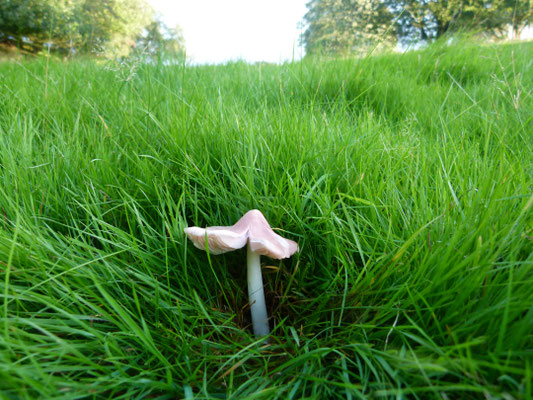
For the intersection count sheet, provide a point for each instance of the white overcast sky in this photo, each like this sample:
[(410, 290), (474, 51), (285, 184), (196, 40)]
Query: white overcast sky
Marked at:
[(217, 31)]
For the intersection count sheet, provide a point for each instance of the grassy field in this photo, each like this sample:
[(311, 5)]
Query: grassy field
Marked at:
[(407, 181)]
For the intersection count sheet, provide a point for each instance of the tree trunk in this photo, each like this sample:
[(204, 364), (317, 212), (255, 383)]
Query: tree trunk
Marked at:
[(423, 34), (516, 32), (442, 28)]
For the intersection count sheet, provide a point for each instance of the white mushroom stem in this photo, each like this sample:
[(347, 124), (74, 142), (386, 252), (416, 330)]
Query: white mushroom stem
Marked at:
[(256, 293), (254, 232)]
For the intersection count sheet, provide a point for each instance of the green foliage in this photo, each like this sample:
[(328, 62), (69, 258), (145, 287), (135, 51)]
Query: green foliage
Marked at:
[(160, 40), (406, 180), (29, 23), (340, 26), (432, 19), (109, 27), (517, 13)]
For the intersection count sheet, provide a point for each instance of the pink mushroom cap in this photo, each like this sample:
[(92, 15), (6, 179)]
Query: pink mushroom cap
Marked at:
[(252, 229)]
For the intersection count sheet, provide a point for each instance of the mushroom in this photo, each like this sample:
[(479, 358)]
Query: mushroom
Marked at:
[(254, 230)]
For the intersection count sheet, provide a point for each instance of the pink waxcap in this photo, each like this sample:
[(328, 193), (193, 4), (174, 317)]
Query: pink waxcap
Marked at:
[(252, 228)]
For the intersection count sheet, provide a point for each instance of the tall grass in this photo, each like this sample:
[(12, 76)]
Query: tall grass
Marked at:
[(405, 178)]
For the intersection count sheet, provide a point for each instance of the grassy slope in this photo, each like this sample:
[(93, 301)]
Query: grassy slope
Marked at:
[(406, 179)]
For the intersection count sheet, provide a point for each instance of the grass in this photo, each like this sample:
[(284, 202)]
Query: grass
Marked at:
[(405, 178)]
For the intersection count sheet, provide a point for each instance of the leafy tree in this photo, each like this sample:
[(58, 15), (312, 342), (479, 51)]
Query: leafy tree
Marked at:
[(518, 14), (160, 40), (413, 18), (29, 23), (111, 26), (342, 26), (430, 19), (466, 15), (82, 26)]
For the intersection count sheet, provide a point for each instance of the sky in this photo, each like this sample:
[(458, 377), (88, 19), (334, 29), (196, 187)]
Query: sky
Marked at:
[(217, 31)]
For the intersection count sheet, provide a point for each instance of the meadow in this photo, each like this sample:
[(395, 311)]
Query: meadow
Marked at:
[(406, 180)]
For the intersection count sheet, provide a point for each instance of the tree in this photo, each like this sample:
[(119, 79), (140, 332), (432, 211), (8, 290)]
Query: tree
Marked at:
[(84, 26), (431, 19), (27, 24), (160, 40), (413, 18), (343, 26), (465, 15), (111, 26), (517, 14)]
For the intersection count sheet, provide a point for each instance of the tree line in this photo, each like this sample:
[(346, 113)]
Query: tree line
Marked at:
[(343, 26), (118, 27), (102, 27)]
